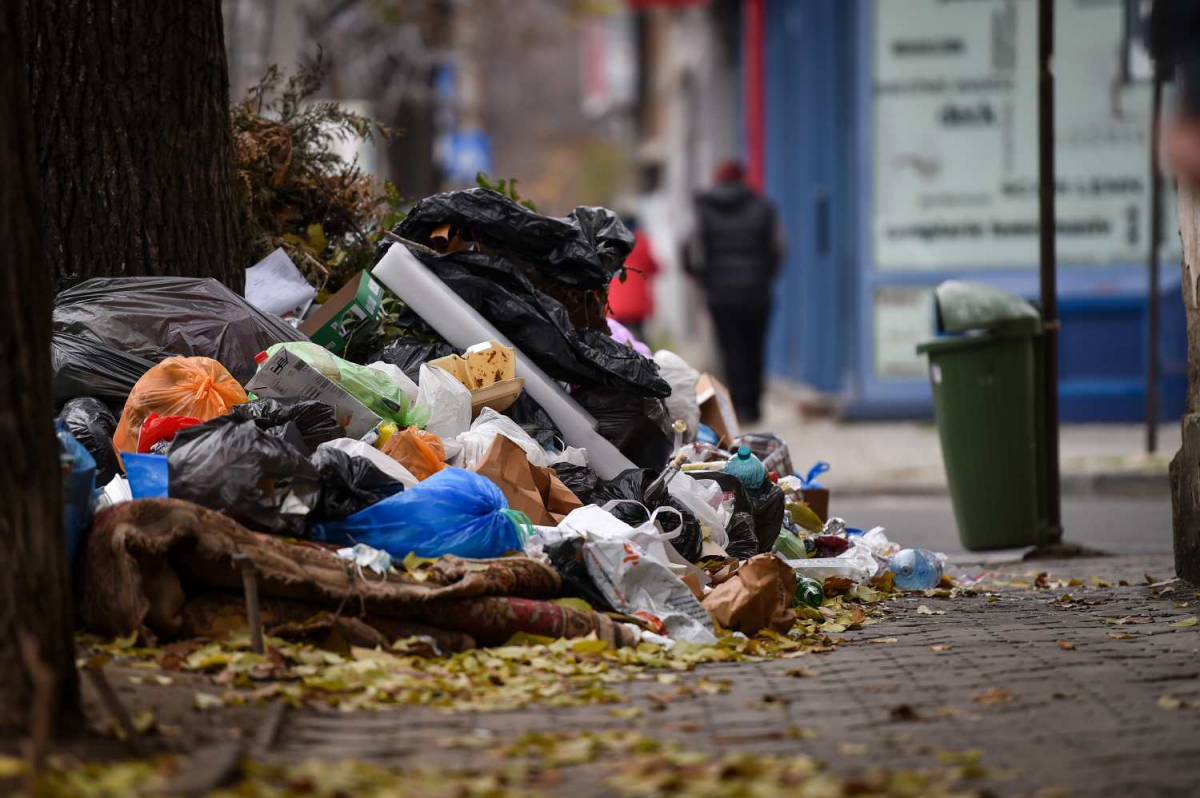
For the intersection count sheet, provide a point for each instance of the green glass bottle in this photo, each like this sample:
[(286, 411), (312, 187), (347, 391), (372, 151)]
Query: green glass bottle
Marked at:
[(808, 591)]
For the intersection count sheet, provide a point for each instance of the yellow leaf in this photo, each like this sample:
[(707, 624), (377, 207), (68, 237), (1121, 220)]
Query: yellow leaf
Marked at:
[(11, 766), (1121, 636), (573, 603), (1169, 702), (943, 647), (884, 640), (206, 701), (316, 237), (851, 749), (586, 646), (625, 713), (1192, 621), (925, 609)]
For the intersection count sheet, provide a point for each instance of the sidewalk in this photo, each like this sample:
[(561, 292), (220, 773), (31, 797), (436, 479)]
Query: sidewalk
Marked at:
[(905, 457)]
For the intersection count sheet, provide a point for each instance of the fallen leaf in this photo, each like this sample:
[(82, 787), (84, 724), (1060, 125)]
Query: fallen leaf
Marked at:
[(836, 584), (206, 701), (1121, 635), (942, 647), (1096, 581), (1192, 621), (1074, 582), (851, 749), (625, 713), (925, 609), (884, 640), (11, 766), (1150, 580), (994, 695), (1169, 702), (971, 756), (1066, 645), (1061, 696), (800, 673)]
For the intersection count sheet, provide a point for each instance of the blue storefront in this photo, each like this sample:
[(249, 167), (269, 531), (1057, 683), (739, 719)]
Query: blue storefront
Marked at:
[(899, 143)]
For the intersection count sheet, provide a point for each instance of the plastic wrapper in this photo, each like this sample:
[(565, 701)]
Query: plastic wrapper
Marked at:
[(316, 421), (638, 426), (452, 512), (583, 250), (256, 476), (148, 475), (398, 376), (541, 328), (349, 484), (703, 498), (92, 425), (407, 354), (448, 401), (83, 367), (421, 453), (631, 486), (580, 480), (857, 564), (198, 387), (156, 317), (379, 392), (79, 488)]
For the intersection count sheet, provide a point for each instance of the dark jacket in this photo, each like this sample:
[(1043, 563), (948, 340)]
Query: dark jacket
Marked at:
[(737, 249)]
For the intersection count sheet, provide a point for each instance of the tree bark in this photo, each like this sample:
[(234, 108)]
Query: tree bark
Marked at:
[(134, 151), (1185, 467), (37, 656)]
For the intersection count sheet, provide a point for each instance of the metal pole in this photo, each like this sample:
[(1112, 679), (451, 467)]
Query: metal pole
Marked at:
[(1046, 190), (1156, 189)]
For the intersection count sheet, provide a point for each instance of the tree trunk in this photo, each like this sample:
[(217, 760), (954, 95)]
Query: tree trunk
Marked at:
[(1185, 468), (134, 151), (37, 656)]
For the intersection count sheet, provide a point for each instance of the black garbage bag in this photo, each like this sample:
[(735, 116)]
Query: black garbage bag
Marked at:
[(540, 327), (256, 476), (567, 557), (743, 543), (348, 484), (583, 250), (580, 480), (315, 421), (156, 317), (407, 354), (83, 367), (766, 508), (637, 425), (534, 419), (92, 424), (632, 485)]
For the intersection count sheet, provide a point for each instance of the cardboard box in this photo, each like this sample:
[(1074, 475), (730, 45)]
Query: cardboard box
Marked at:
[(286, 375), (360, 301), (716, 408)]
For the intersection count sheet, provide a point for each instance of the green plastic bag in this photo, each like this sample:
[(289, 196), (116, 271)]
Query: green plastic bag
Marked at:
[(790, 545), (376, 390)]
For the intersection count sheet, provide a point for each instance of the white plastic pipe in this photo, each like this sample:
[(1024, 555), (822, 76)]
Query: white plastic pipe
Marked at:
[(462, 326)]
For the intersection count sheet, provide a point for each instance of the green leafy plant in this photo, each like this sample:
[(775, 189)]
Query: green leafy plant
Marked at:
[(506, 187), (298, 192)]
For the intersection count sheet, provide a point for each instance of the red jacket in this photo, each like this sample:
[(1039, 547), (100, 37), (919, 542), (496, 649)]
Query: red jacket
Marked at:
[(632, 301)]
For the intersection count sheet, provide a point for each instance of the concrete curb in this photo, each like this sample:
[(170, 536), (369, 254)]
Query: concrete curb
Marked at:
[(1128, 485)]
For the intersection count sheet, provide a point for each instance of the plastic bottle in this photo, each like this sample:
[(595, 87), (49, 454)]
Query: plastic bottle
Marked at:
[(748, 468), (809, 592), (916, 569)]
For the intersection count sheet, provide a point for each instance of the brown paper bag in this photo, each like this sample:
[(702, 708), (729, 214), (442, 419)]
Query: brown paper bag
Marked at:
[(537, 492), (759, 596)]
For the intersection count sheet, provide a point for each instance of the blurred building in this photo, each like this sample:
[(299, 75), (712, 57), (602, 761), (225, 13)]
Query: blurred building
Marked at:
[(898, 138)]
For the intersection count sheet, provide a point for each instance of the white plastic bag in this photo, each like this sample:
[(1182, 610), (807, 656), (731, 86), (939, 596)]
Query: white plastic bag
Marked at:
[(476, 441), (378, 459), (682, 378), (702, 497), (638, 584), (408, 386), (448, 400)]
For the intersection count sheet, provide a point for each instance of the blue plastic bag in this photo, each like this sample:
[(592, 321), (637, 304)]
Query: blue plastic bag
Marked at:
[(452, 512), (147, 475), (809, 480), (79, 488)]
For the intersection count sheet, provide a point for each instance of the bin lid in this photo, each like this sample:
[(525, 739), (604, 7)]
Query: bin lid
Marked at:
[(963, 306)]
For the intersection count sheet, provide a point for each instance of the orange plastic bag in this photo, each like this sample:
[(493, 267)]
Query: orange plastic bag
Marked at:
[(199, 387), (421, 452)]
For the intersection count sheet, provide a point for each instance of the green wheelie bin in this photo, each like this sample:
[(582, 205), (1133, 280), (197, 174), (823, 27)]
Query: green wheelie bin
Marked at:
[(985, 370)]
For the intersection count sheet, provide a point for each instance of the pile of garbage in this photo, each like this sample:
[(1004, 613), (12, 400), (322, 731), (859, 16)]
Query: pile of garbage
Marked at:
[(503, 446)]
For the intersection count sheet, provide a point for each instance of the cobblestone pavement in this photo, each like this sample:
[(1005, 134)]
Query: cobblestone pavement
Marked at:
[(1099, 695)]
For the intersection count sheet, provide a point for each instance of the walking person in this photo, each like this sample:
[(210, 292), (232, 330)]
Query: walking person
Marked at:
[(736, 252)]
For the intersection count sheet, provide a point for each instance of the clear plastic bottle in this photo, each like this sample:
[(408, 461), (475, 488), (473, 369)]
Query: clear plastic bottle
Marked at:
[(916, 569), (748, 468)]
